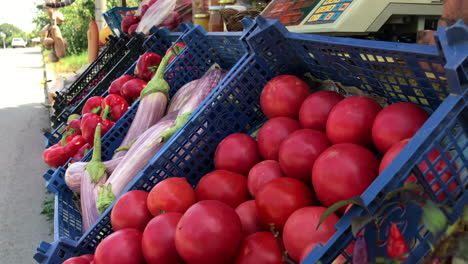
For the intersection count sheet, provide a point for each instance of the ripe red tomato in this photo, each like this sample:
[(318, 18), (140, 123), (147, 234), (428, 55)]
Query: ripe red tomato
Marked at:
[(224, 186), (262, 173), (301, 230), (338, 260), (342, 172), (316, 108), (120, 247), (88, 257), (131, 211), (395, 123), (76, 260), (279, 198), (299, 151), (259, 248), (158, 239), (439, 167), (237, 152), (272, 133), (209, 232), (283, 96), (171, 195), (350, 121), (248, 216)]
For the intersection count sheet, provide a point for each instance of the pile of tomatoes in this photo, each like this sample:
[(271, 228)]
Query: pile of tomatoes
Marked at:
[(263, 201)]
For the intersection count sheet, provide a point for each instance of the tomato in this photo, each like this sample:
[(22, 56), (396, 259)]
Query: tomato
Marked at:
[(283, 96), (279, 198), (171, 195), (262, 173), (120, 247), (225, 186), (299, 151), (259, 248), (158, 239), (237, 152), (131, 211), (88, 257), (248, 215), (76, 260), (439, 168), (301, 229), (316, 108), (209, 232), (342, 172), (272, 133), (338, 260), (395, 123), (350, 121)]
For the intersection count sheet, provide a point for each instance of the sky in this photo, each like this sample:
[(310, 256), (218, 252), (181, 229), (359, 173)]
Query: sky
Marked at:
[(20, 13)]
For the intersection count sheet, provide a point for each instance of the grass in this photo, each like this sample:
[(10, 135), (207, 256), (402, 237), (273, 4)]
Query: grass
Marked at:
[(48, 208), (70, 63)]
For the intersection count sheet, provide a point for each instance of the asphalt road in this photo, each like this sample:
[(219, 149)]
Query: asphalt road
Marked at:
[(22, 191)]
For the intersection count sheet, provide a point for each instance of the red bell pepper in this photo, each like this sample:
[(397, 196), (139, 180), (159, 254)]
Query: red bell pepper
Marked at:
[(147, 65), (81, 153), (58, 154), (117, 106), (89, 123), (396, 244), (74, 126), (93, 105)]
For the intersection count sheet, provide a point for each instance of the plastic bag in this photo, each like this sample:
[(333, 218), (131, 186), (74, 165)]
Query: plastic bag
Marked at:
[(156, 14), (181, 14)]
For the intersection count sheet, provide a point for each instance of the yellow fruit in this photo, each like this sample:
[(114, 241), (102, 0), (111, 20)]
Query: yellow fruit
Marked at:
[(104, 34)]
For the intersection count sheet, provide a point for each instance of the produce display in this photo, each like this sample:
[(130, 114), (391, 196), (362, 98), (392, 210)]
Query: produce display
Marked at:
[(271, 190), (265, 196)]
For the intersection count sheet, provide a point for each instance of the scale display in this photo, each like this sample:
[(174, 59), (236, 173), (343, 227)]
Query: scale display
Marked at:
[(328, 12), (289, 12)]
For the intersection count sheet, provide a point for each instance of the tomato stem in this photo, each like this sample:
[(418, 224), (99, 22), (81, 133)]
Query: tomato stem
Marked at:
[(276, 234)]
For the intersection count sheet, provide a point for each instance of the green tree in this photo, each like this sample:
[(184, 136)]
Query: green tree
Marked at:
[(11, 32), (75, 26)]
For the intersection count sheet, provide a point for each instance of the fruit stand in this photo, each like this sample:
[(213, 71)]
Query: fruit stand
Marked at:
[(259, 146)]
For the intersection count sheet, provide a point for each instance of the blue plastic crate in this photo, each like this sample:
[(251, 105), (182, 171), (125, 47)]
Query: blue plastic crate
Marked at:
[(68, 237), (159, 43), (115, 16), (234, 107)]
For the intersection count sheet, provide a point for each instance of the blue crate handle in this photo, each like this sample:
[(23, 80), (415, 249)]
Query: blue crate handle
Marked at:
[(452, 43)]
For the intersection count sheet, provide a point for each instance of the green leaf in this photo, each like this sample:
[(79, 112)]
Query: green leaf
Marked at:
[(385, 207), (462, 248), (359, 222), (411, 197), (406, 187), (465, 214), (355, 200), (433, 218)]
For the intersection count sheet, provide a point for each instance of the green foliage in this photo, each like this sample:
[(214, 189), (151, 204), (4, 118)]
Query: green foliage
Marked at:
[(77, 17), (11, 32)]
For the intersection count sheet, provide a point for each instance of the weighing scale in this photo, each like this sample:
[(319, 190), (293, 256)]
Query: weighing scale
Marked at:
[(395, 20)]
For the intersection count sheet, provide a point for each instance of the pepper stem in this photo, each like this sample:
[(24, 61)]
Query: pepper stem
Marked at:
[(95, 167), (179, 122), (157, 83), (105, 198), (107, 113), (96, 110), (63, 140)]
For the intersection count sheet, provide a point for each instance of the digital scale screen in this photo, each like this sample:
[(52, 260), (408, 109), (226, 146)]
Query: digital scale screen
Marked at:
[(292, 13), (328, 12)]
